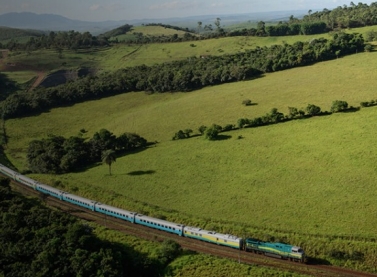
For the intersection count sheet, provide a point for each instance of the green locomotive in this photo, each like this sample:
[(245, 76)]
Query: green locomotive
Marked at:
[(275, 249)]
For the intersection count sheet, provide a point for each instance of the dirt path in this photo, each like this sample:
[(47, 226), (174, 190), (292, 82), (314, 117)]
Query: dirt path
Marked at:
[(40, 76), (18, 67)]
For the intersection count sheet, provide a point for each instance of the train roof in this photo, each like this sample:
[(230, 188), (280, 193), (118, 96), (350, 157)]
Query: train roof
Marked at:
[(111, 208), (213, 233), (48, 187), (158, 221), (276, 244), (78, 198), (19, 176)]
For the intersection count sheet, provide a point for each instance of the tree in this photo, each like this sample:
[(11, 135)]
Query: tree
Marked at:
[(212, 132), (168, 251), (199, 26), (313, 110), (202, 129), (108, 157), (338, 106)]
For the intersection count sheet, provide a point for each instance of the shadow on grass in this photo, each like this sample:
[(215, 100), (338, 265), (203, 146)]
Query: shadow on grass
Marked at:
[(317, 261), (141, 172), (222, 137)]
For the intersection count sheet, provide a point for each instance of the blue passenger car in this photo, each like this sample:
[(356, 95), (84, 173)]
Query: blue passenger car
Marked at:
[(115, 212), (49, 190), (159, 224), (80, 201)]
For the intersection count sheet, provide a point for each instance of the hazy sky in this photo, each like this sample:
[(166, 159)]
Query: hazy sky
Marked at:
[(101, 10)]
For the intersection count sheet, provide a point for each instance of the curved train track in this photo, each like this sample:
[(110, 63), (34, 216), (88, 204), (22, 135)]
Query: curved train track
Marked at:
[(187, 243)]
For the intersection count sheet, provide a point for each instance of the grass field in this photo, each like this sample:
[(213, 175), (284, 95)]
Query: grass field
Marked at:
[(121, 56), (288, 167), (309, 181)]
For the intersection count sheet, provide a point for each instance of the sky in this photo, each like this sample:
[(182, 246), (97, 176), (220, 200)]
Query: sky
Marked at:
[(102, 10)]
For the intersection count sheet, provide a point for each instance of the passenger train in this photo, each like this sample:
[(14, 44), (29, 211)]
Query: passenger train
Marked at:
[(279, 250)]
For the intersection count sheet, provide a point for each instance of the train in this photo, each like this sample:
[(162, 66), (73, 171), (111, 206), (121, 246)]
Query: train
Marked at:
[(274, 249)]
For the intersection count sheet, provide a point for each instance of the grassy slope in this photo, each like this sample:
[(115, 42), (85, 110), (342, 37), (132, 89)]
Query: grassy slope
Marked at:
[(131, 55), (311, 176)]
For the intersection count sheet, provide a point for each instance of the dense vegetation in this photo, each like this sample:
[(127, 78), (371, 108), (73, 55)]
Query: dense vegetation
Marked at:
[(36, 241), (185, 75), (12, 33), (57, 154), (318, 22), (57, 40)]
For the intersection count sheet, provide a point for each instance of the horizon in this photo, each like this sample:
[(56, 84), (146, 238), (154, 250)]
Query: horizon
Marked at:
[(114, 10)]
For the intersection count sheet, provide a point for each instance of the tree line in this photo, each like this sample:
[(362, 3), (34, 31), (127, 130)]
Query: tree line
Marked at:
[(342, 17), (274, 116), (319, 22), (57, 154), (184, 75), (37, 241), (58, 40)]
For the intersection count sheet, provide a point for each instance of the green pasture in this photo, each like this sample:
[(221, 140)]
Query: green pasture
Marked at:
[(313, 176), (156, 31), (21, 77), (120, 56), (123, 55)]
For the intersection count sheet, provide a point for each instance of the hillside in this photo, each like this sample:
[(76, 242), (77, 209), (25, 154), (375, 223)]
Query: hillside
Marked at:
[(309, 182), (7, 33)]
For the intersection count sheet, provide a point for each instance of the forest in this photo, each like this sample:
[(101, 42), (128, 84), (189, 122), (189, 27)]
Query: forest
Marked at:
[(57, 154), (60, 245)]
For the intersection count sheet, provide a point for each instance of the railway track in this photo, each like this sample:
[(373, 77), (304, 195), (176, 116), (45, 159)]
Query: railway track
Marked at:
[(191, 244)]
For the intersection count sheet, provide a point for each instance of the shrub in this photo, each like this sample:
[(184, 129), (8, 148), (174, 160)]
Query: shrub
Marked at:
[(228, 127), (338, 106), (246, 102), (179, 135), (212, 132), (313, 110), (242, 122), (202, 129)]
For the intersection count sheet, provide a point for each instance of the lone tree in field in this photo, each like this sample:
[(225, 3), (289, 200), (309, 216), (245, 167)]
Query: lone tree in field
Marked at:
[(108, 157)]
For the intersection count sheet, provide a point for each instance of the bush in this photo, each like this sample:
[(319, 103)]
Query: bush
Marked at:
[(202, 129), (313, 110), (242, 122), (212, 132), (228, 127), (338, 106), (246, 102)]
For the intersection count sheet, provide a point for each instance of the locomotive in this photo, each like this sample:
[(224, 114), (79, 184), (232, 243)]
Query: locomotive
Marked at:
[(274, 249)]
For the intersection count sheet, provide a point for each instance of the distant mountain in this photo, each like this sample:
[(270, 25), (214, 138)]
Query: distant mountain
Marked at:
[(52, 22)]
